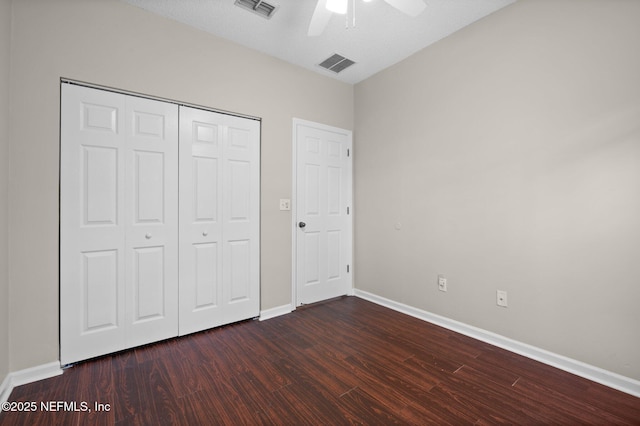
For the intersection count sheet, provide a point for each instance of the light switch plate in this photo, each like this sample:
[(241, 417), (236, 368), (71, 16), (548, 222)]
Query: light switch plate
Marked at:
[(285, 204)]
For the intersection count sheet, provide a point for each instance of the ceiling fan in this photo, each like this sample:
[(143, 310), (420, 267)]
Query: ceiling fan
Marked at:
[(326, 8)]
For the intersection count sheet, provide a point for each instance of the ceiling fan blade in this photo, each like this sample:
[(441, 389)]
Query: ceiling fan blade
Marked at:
[(412, 8), (320, 19)]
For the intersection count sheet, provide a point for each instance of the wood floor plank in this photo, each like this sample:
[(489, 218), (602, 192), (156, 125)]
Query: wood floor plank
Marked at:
[(576, 407), (251, 392), (127, 399), (303, 403), (339, 362), (362, 408), (492, 394)]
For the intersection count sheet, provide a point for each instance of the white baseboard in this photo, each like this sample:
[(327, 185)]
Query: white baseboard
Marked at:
[(275, 312), (5, 389), (28, 375), (36, 373), (579, 368)]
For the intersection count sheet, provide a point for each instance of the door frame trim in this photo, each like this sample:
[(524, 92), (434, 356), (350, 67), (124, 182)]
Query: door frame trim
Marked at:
[(294, 215)]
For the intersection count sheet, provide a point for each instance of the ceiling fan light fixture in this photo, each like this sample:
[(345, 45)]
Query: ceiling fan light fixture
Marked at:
[(338, 6)]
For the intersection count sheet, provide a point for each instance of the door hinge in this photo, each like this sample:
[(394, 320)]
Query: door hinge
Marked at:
[(347, 269), (348, 152), (347, 209)]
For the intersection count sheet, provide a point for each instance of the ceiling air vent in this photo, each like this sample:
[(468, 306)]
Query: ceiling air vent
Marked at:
[(336, 63), (259, 7)]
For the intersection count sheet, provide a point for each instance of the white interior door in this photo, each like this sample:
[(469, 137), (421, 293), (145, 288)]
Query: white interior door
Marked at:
[(118, 222), (323, 225), (219, 219)]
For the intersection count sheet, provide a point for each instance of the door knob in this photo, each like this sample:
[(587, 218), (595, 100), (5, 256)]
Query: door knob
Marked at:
[(148, 236), (302, 224), (205, 233)]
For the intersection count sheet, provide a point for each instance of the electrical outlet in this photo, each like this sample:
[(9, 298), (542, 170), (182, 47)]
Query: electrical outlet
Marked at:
[(442, 283), (285, 204), (501, 298)]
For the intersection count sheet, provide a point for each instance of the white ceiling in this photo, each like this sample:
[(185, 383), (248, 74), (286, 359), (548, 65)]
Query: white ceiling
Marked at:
[(382, 35)]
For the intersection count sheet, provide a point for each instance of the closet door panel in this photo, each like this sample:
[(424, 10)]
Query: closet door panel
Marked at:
[(99, 166), (152, 220), (205, 190), (200, 225), (92, 230), (206, 276), (99, 283), (241, 218), (219, 219), (148, 284), (239, 267)]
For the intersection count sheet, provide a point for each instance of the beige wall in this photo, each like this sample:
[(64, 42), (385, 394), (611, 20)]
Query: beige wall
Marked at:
[(5, 49), (111, 43), (510, 154)]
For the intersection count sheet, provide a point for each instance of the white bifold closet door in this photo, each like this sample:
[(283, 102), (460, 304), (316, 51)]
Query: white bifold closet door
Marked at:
[(159, 221), (219, 219), (118, 222)]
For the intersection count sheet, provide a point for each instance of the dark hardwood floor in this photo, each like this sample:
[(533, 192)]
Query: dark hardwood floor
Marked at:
[(338, 362)]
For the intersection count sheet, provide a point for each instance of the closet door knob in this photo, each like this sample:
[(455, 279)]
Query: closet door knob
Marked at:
[(205, 233), (302, 225), (148, 235)]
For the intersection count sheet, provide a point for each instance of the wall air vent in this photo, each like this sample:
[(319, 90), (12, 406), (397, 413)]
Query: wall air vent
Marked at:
[(259, 7), (336, 63)]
